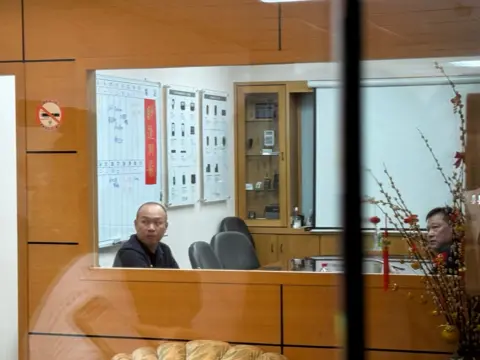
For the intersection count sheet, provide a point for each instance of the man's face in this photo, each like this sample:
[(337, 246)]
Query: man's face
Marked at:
[(439, 232), (151, 224)]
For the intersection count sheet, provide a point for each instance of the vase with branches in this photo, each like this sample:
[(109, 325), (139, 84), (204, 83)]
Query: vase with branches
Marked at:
[(443, 277)]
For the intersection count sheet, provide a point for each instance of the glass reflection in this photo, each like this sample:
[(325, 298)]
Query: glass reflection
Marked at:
[(253, 149)]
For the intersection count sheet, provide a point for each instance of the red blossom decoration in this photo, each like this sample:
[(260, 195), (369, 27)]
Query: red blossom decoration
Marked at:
[(454, 216), (459, 158), (374, 220), (441, 259), (412, 219)]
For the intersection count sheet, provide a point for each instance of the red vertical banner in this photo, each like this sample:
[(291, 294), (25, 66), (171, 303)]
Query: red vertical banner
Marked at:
[(150, 142)]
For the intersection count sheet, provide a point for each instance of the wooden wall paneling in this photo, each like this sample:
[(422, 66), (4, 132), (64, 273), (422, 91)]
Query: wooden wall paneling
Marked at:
[(308, 353), (309, 315), (48, 347), (48, 265), (53, 81), (472, 157), (11, 41), (53, 198), (391, 29), (393, 320), (17, 69), (296, 353), (103, 29), (330, 244), (80, 348), (391, 355), (420, 28), (306, 30), (229, 312)]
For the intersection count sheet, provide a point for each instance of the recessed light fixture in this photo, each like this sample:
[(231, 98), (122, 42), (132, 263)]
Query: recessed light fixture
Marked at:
[(281, 1), (466, 63)]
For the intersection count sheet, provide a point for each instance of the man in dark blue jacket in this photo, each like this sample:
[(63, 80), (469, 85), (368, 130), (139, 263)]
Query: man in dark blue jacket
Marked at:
[(145, 249)]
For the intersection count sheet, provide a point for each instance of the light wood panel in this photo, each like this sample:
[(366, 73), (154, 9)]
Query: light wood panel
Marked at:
[(241, 32), (309, 315), (281, 248), (279, 231), (390, 355), (53, 198), (472, 157), (47, 264), (420, 28), (54, 81), (65, 300), (11, 24), (331, 244), (404, 318), (306, 30), (296, 353), (266, 247), (306, 353), (391, 29), (80, 348), (148, 28), (240, 313), (62, 302), (393, 320)]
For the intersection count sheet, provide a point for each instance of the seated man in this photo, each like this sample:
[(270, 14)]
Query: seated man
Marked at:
[(440, 235), (145, 249)]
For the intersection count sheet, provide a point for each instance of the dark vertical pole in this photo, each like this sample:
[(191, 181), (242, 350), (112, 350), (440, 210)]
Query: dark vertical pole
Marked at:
[(351, 207)]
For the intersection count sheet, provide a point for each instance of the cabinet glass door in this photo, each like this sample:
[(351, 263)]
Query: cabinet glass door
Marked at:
[(261, 125)]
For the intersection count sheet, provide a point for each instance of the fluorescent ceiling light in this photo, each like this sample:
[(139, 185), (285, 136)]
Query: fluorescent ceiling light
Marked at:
[(281, 1), (467, 63)]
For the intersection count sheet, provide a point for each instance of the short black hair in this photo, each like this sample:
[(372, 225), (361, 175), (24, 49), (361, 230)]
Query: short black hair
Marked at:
[(152, 203), (446, 211)]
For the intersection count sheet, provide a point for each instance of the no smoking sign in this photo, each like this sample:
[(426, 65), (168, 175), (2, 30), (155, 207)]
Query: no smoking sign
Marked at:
[(49, 115)]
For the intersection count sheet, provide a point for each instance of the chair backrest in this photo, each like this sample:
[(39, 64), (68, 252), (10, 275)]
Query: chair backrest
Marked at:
[(233, 223), (235, 251), (201, 256)]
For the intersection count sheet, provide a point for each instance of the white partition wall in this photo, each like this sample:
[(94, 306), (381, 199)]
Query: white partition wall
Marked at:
[(8, 222), (394, 111)]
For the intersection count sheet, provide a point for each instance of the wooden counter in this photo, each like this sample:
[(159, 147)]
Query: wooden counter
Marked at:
[(283, 244), (113, 310)]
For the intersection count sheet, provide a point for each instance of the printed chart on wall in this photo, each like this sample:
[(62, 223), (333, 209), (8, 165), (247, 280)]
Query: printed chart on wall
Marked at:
[(214, 145), (182, 145), (128, 153)]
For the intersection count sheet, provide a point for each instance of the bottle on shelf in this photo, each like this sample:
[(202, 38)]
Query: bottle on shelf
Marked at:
[(267, 182), (296, 219)]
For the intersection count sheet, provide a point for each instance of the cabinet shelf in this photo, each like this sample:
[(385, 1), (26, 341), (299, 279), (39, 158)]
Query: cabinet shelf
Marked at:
[(268, 121), (276, 153), (261, 129), (260, 120)]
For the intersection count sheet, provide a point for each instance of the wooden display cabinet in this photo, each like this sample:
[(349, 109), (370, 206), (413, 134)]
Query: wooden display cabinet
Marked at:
[(267, 152), (261, 166)]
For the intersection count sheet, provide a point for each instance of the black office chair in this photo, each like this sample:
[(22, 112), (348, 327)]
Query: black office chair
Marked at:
[(233, 223), (201, 256), (235, 251)]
